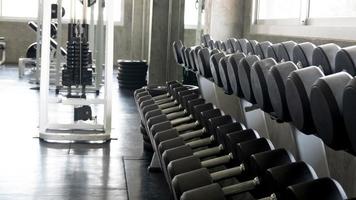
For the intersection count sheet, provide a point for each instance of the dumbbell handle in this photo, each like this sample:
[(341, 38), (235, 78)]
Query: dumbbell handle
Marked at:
[(193, 134), (173, 111), (162, 96), (241, 187), (168, 104), (272, 197), (182, 120), (217, 161), (201, 142), (163, 101), (227, 173), (208, 152), (186, 127)]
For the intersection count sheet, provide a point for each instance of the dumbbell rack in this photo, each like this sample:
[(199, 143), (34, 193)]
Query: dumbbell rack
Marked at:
[(69, 130)]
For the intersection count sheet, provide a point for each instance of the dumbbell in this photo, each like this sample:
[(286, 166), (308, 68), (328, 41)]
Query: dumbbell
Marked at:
[(201, 177), (204, 61), (214, 68), (262, 49), (324, 57), (143, 91), (161, 123), (224, 65), (327, 110), (278, 75), (174, 112), (210, 120), (227, 142), (239, 154), (244, 70), (272, 180), (349, 108), (322, 188)]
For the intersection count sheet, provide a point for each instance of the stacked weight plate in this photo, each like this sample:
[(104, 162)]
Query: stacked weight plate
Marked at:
[(132, 73)]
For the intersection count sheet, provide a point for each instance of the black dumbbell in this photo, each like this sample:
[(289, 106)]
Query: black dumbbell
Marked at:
[(239, 154), (204, 61), (272, 180), (231, 74), (210, 120), (262, 49), (161, 123), (214, 68), (324, 56), (227, 143), (244, 70), (201, 177), (326, 105), (322, 188), (349, 108), (170, 85)]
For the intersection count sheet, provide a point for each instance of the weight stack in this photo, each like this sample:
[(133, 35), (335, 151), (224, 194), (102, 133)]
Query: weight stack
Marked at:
[(132, 74)]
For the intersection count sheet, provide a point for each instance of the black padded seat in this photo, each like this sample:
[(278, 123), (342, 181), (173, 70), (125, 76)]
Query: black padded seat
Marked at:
[(204, 62), (276, 81), (327, 109), (251, 47), (303, 54), (244, 71), (346, 60), (259, 73), (224, 77), (214, 67), (349, 111), (233, 74), (262, 48), (272, 52), (285, 51), (298, 89), (324, 56), (177, 45)]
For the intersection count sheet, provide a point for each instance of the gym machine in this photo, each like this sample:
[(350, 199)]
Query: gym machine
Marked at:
[(84, 117)]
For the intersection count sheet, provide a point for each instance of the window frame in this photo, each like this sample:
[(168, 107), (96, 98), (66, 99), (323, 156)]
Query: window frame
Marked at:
[(342, 28), (64, 21)]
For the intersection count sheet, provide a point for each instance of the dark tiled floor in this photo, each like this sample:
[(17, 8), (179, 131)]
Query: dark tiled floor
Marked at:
[(33, 169)]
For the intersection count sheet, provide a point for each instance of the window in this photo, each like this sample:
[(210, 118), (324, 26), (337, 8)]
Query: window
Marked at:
[(28, 10), (278, 9), (305, 18), (191, 12)]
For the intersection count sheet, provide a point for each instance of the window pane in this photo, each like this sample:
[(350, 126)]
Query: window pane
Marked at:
[(191, 13), (19, 8), (332, 8), (278, 9)]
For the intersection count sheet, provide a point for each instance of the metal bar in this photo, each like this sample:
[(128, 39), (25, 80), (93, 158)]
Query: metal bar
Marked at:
[(99, 53), (45, 64), (59, 42)]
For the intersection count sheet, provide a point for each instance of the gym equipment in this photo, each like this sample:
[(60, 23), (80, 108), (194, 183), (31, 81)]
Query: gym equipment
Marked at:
[(303, 54), (230, 76), (262, 49), (201, 177), (326, 105), (132, 73), (322, 188), (270, 180), (214, 68), (234, 159), (348, 109), (244, 71), (324, 56), (232, 138), (345, 60)]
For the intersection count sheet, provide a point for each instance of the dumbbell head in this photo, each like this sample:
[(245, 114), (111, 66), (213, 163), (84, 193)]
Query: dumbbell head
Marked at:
[(259, 72), (214, 67), (324, 56), (276, 81), (322, 188), (195, 55), (349, 111), (224, 77), (285, 50), (242, 45), (177, 45), (244, 70), (303, 54), (277, 179), (223, 130), (232, 72), (262, 48), (251, 47), (326, 105), (298, 88), (272, 52), (346, 60), (237, 137), (204, 62)]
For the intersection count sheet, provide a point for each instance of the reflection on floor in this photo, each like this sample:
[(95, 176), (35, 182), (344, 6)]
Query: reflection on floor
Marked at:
[(33, 169)]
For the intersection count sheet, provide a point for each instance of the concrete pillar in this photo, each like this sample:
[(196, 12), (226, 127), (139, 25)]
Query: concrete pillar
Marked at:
[(166, 26), (225, 18)]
